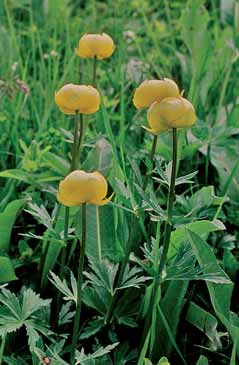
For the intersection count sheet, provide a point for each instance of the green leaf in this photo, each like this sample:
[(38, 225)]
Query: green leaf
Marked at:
[(109, 245), (147, 362), (171, 306), (163, 361), (170, 335), (57, 163), (70, 293), (83, 359), (7, 220), (52, 245), (222, 157), (205, 322), (234, 351), (92, 328), (205, 197), (202, 228), (230, 263), (202, 360), (100, 157), (7, 273), (16, 312), (220, 294), (16, 174)]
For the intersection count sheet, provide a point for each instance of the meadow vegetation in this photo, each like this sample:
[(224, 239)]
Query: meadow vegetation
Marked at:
[(118, 208)]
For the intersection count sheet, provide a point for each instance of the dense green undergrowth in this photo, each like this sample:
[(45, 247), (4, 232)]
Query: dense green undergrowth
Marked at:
[(195, 319)]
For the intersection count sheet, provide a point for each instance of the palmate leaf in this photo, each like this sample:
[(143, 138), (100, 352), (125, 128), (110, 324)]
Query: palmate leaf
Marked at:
[(97, 298), (83, 359), (102, 274), (41, 214), (51, 352), (184, 268), (150, 203), (132, 278), (16, 312), (165, 176), (92, 328), (70, 293), (31, 302), (127, 309), (55, 358), (66, 314)]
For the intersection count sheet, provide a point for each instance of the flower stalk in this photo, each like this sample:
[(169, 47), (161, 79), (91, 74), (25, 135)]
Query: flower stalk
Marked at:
[(94, 71), (166, 239), (168, 224), (152, 153), (79, 286), (74, 162), (75, 151)]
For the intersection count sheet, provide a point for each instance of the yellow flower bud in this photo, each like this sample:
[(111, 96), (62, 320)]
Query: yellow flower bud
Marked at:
[(95, 45), (83, 187), (170, 113), (154, 90), (72, 99)]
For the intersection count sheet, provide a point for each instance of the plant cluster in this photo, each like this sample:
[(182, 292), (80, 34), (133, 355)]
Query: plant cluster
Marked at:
[(124, 258)]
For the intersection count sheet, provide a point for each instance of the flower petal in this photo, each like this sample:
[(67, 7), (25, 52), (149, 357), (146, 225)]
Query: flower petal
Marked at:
[(103, 201)]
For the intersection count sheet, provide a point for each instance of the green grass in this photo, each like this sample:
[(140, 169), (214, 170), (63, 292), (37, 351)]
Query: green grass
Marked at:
[(195, 42)]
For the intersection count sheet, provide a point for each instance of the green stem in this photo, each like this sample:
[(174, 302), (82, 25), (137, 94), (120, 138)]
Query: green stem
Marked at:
[(74, 163), (130, 243), (98, 233), (80, 140), (152, 153), (79, 286), (2, 347), (207, 163), (63, 256), (166, 241), (47, 244), (75, 145), (168, 225), (94, 72)]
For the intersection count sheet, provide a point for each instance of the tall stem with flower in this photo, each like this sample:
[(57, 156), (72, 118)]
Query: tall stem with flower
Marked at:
[(78, 189), (74, 100), (169, 113), (144, 96)]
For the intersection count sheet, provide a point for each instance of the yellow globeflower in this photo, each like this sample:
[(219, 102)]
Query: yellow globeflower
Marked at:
[(83, 187), (72, 99), (95, 45), (170, 113), (154, 90)]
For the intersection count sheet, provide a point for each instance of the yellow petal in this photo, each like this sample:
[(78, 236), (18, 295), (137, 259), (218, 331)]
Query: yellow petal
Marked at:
[(95, 45), (154, 131), (103, 201), (72, 99), (172, 112), (82, 187), (154, 90)]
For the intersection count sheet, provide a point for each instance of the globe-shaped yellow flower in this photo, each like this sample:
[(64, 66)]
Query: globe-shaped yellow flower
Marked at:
[(81, 187), (170, 113), (154, 90), (95, 45), (73, 99)]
